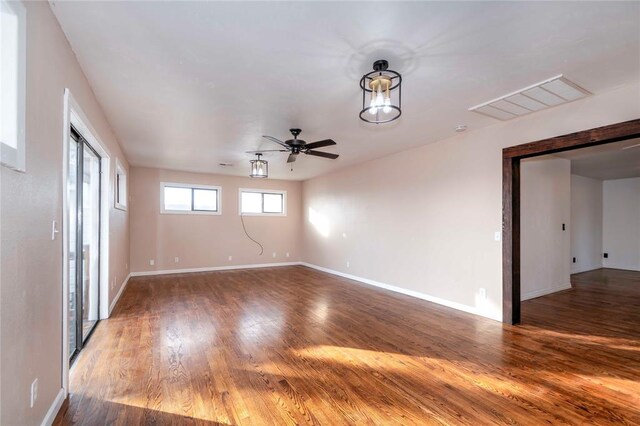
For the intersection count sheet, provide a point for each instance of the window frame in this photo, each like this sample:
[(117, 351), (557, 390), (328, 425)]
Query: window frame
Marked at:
[(120, 202), (263, 192), (191, 186), (15, 158)]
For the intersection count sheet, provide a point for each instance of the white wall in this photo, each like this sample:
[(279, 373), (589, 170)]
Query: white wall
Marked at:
[(545, 205), (586, 223), (424, 219), (621, 236)]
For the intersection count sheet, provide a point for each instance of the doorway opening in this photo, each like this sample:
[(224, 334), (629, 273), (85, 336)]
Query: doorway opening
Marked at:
[(84, 204), (511, 177)]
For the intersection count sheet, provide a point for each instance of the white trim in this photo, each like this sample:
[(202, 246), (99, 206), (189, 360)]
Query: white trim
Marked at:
[(439, 301), (115, 299), (54, 408), (65, 241), (72, 114), (83, 125), (263, 191), (544, 292), (212, 268), (15, 158), (120, 203), (218, 190)]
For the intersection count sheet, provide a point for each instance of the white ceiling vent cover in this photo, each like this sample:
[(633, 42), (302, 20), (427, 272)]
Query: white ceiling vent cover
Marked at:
[(546, 94)]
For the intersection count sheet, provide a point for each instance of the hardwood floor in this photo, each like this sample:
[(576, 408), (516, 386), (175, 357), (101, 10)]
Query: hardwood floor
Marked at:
[(292, 345)]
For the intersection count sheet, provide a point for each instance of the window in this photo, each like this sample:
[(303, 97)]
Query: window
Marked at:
[(121, 187), (263, 202), (12, 84), (180, 198)]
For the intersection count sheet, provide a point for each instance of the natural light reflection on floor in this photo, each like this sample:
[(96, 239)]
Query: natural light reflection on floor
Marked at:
[(181, 414), (297, 346)]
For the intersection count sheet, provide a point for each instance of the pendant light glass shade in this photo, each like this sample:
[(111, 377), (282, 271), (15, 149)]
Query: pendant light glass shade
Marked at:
[(381, 94), (259, 168)]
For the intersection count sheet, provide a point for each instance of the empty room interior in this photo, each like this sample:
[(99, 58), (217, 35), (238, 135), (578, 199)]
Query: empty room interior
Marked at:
[(328, 213)]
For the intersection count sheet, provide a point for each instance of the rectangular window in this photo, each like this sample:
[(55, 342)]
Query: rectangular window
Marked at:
[(180, 198), (263, 202), (121, 186), (12, 84)]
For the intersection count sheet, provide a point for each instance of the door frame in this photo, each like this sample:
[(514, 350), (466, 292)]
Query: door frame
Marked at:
[(73, 115), (82, 147), (511, 157)]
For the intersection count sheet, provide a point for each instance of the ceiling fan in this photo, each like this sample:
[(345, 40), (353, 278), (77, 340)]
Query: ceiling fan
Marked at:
[(296, 146)]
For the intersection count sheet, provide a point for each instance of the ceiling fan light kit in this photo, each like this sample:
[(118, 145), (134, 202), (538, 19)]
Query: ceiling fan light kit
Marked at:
[(259, 167), (381, 94)]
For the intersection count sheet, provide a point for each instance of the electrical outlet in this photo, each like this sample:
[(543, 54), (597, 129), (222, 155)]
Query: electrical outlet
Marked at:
[(497, 236), (483, 292), (230, 258), (286, 255), (347, 263), (176, 259), (34, 392), (126, 266), (606, 255), (274, 254), (152, 262), (564, 227), (574, 260)]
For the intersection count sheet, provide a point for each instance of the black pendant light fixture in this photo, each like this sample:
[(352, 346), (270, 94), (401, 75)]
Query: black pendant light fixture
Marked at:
[(259, 167), (381, 94)]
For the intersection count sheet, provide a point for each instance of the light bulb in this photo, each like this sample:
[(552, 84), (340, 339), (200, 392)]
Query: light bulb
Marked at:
[(387, 106), (373, 107), (379, 99)]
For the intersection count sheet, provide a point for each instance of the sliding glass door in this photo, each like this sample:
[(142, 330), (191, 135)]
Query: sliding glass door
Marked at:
[(84, 240)]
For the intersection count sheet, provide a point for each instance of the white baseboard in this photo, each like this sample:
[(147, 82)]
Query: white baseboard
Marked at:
[(53, 410), (211, 268), (439, 301), (115, 299), (544, 292), (428, 298)]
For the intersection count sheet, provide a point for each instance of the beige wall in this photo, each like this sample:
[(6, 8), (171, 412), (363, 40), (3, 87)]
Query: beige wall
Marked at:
[(203, 241), (424, 219), (545, 203), (31, 263)]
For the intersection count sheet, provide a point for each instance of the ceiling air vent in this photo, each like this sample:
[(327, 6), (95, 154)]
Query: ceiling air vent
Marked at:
[(546, 94)]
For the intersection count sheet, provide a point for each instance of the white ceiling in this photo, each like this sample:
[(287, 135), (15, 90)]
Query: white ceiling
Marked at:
[(189, 85), (605, 162)]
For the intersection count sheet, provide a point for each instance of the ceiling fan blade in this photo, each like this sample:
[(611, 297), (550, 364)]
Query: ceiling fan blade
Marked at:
[(320, 144), (266, 150), (279, 142), (322, 154), (292, 158)]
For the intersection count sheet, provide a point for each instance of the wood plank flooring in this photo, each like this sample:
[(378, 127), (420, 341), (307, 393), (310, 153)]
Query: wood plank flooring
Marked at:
[(292, 345)]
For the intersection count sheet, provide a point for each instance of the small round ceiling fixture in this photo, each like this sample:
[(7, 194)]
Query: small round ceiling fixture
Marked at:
[(461, 128), (381, 94), (259, 167)]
